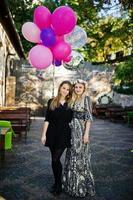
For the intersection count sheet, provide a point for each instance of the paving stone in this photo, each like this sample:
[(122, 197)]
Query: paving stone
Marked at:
[(26, 173)]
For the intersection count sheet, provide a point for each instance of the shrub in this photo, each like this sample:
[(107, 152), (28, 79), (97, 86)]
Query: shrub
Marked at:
[(124, 73)]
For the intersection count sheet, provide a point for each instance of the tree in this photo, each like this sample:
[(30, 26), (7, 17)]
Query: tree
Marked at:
[(109, 36), (123, 77), (124, 72), (105, 35)]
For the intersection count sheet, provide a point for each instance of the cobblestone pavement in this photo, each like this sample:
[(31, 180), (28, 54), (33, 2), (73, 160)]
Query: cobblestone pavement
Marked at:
[(26, 172)]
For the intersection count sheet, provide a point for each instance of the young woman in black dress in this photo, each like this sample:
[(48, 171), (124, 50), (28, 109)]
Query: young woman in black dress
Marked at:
[(56, 132)]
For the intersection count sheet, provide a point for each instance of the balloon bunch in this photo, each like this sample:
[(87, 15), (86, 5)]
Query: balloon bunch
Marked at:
[(48, 30)]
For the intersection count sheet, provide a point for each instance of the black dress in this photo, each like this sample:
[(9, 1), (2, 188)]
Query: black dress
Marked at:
[(58, 134)]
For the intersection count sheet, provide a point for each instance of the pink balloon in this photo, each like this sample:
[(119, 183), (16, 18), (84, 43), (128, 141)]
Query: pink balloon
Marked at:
[(67, 59), (61, 50), (63, 20), (31, 32), (40, 57), (42, 17), (59, 38)]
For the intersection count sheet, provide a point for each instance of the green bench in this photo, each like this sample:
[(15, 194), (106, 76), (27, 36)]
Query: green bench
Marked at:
[(6, 133)]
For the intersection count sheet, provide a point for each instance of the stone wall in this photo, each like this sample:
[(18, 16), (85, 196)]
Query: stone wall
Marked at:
[(123, 100), (7, 55), (34, 88)]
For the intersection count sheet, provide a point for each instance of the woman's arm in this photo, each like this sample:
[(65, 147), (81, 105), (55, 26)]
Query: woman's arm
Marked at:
[(46, 123), (88, 120), (86, 136), (44, 130)]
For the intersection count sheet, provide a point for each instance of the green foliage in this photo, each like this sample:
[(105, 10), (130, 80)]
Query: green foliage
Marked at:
[(105, 36), (124, 72), (108, 36), (124, 75), (22, 11), (124, 90)]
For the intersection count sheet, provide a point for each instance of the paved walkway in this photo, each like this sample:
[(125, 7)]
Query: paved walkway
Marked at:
[(26, 173)]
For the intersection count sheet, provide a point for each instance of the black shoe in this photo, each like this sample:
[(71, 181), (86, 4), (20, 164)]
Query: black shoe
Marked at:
[(53, 189), (57, 193), (58, 190)]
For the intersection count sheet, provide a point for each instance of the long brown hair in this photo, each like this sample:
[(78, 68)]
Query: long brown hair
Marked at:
[(56, 100)]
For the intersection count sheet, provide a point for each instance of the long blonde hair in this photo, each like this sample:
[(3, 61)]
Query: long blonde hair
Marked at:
[(56, 100)]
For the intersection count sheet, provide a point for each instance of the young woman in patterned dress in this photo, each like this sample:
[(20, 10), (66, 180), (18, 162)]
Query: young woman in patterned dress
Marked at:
[(77, 177), (56, 132)]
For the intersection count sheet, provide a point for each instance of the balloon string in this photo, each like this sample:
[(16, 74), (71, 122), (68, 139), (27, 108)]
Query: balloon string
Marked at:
[(53, 80)]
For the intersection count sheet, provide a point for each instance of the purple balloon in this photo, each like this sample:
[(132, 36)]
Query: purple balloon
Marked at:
[(48, 37), (57, 63)]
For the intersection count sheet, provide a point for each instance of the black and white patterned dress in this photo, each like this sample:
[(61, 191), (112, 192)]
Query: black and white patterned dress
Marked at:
[(77, 177)]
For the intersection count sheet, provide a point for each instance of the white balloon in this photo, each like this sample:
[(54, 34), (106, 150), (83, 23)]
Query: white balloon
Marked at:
[(77, 38), (75, 61)]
